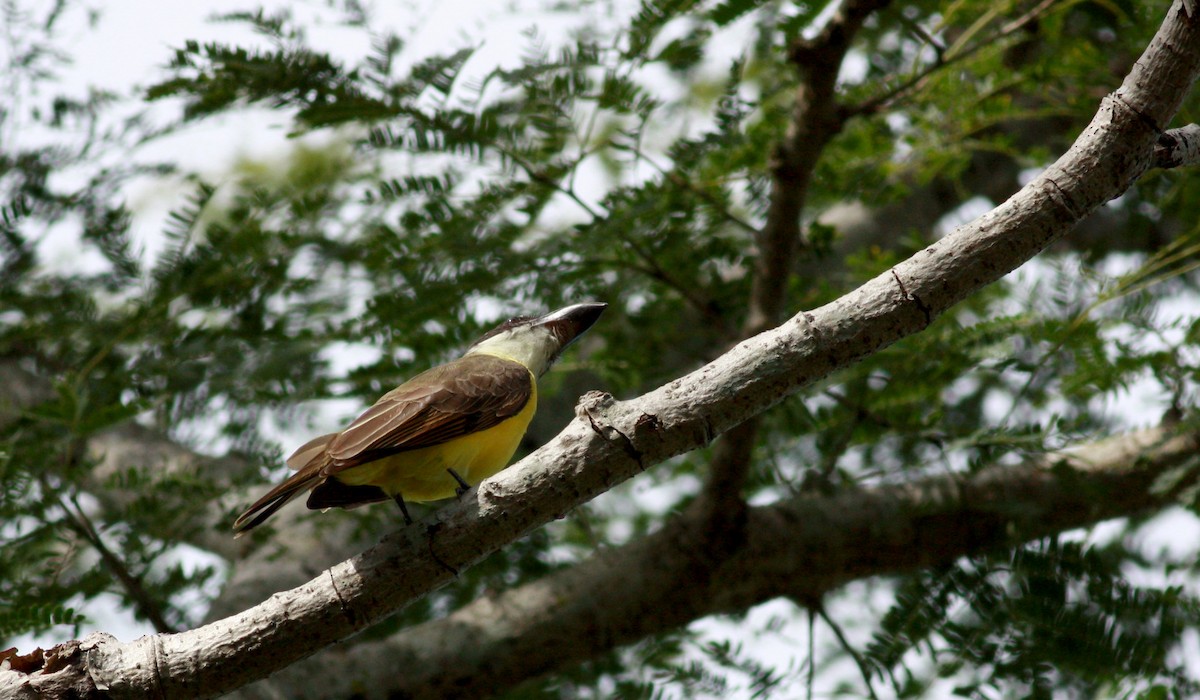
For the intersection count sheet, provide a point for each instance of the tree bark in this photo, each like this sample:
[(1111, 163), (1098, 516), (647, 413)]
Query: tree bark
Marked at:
[(612, 441), (800, 548)]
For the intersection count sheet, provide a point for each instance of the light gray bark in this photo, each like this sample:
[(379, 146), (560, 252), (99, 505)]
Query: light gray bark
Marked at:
[(800, 548), (613, 441)]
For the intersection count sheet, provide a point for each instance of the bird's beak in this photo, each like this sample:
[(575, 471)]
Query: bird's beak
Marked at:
[(570, 322)]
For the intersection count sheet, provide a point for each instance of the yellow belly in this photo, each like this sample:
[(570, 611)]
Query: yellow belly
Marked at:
[(420, 475)]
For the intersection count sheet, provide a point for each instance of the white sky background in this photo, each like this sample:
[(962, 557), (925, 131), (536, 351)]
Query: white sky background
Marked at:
[(133, 39)]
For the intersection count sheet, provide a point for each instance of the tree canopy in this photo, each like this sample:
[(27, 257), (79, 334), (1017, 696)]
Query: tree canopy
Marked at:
[(839, 448)]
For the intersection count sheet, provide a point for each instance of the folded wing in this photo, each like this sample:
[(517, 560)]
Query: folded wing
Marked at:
[(470, 394)]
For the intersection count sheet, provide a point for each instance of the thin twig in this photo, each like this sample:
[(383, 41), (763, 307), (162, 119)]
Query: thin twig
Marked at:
[(812, 650), (540, 177), (917, 29), (677, 179), (858, 659), (692, 294), (78, 522), (919, 79)]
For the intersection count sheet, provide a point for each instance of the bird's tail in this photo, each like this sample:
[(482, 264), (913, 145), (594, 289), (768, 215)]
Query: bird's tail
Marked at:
[(310, 465)]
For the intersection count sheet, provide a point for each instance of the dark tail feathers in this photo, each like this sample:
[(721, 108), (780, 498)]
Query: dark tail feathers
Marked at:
[(275, 499)]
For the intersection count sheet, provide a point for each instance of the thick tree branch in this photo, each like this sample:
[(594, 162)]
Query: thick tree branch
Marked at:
[(801, 549), (728, 468), (610, 441)]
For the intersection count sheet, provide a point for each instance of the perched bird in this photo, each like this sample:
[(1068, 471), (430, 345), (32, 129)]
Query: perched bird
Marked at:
[(438, 433)]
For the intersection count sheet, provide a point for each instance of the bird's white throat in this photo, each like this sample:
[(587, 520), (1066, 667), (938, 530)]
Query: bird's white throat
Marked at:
[(533, 346)]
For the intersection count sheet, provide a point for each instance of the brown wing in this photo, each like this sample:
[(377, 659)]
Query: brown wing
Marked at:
[(309, 451), (467, 395)]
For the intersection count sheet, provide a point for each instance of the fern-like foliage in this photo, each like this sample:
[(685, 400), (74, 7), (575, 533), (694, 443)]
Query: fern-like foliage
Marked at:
[(1049, 616)]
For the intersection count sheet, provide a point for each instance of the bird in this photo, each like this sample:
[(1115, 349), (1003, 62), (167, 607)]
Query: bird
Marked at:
[(437, 434)]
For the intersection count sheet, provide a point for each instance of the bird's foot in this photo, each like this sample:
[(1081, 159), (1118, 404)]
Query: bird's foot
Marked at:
[(463, 486), (403, 508)]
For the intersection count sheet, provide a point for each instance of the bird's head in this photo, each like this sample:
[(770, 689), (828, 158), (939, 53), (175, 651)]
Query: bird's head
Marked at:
[(537, 341)]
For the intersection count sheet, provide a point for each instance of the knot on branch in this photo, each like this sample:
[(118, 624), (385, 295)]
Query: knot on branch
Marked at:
[(1178, 147), (108, 663), (924, 308), (598, 409)]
